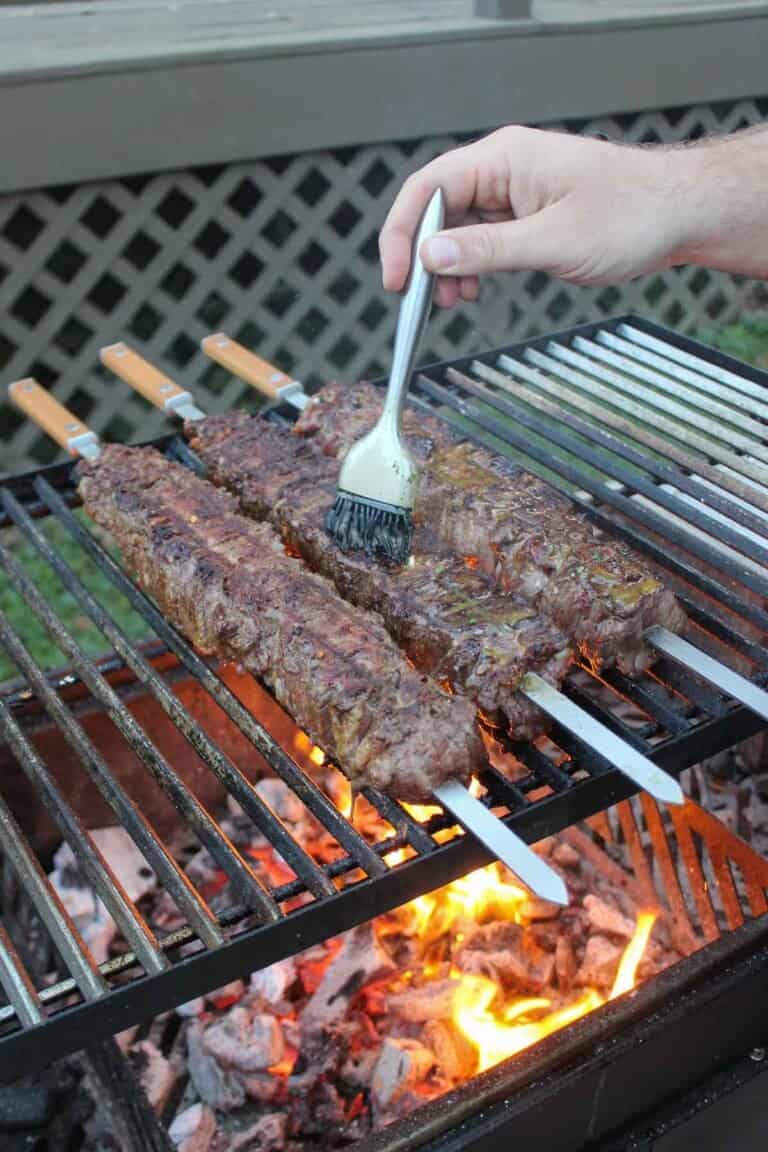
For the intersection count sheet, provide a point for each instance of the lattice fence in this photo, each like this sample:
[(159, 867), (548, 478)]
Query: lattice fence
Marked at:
[(282, 253)]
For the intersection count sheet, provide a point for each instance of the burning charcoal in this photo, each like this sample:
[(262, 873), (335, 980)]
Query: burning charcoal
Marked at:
[(606, 919), (566, 856), (401, 1064), (245, 1042), (565, 964), (156, 1074), (357, 1070), (193, 1129), (598, 968), (361, 959), (546, 933), (219, 1088), (282, 800), (455, 1056), (228, 994), (271, 984), (266, 1135), (192, 1008), (507, 954), (535, 909), (433, 1001), (96, 926), (264, 1087)]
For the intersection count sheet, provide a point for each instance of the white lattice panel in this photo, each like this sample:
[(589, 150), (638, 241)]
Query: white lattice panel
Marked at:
[(282, 254)]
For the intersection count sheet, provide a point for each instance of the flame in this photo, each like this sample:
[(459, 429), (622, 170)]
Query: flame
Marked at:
[(633, 954), (496, 1039), (344, 797), (422, 812), (471, 561), (501, 1032), (482, 895)]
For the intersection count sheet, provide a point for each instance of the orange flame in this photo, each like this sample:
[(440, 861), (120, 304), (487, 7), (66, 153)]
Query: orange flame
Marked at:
[(497, 1040), (501, 1033), (633, 954)]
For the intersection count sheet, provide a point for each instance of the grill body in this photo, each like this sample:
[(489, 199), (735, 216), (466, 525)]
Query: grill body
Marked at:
[(684, 719)]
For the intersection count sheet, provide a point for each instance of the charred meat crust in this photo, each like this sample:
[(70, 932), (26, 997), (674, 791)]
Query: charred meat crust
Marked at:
[(446, 616), (229, 585), (526, 536)]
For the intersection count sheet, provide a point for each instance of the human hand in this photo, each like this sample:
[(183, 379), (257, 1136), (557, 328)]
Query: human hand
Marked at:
[(584, 210)]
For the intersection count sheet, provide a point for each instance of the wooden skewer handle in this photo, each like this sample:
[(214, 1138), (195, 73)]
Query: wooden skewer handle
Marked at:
[(262, 375), (153, 384), (60, 424)]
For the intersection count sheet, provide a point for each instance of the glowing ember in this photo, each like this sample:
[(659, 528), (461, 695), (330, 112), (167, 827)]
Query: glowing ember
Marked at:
[(499, 1031)]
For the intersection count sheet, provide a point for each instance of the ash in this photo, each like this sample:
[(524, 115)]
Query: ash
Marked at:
[(319, 1050)]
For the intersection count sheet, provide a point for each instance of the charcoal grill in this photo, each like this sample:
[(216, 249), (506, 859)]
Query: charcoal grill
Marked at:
[(696, 505)]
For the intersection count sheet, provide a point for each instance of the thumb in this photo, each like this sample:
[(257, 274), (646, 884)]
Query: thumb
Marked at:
[(532, 244)]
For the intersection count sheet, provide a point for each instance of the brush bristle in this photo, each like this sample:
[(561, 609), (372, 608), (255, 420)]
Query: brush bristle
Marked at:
[(360, 525)]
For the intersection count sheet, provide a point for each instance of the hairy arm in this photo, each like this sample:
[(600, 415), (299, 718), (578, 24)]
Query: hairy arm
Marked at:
[(584, 210)]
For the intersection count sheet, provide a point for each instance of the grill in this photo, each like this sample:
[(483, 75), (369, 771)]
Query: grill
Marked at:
[(575, 407)]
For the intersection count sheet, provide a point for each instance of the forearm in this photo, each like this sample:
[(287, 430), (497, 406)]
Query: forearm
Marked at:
[(725, 186)]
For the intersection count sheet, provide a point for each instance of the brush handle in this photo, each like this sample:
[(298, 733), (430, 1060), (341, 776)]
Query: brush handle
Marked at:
[(414, 311)]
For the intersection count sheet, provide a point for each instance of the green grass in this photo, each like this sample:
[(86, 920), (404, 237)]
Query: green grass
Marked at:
[(747, 339), (34, 636)]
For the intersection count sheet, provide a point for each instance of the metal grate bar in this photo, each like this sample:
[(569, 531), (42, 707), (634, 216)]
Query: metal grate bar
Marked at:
[(712, 670), (593, 358), (702, 367), (631, 508), (88, 856), (706, 699), (706, 493), (247, 885), (717, 628), (214, 758), (704, 387), (17, 983), (663, 496), (664, 448), (682, 432), (307, 791), (48, 906), (651, 698), (157, 856)]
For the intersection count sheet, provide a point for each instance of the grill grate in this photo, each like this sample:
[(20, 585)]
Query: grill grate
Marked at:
[(673, 716)]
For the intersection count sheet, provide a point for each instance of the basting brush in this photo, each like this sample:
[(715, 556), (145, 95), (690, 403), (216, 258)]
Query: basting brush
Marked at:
[(377, 483)]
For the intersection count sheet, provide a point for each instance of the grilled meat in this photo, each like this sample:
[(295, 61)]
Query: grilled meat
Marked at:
[(524, 534), (229, 585), (337, 416), (445, 615)]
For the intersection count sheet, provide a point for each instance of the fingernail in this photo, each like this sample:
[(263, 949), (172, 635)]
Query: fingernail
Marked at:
[(442, 252)]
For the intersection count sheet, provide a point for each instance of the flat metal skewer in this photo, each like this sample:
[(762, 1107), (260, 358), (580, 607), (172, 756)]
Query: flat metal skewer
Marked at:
[(508, 847), (161, 391), (616, 751), (722, 677)]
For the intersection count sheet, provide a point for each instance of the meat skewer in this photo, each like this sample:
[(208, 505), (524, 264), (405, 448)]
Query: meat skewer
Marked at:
[(241, 465), (229, 584), (523, 533), (443, 613), (450, 622)]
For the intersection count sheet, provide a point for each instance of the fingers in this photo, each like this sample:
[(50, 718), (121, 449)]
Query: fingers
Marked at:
[(455, 173), (534, 242)]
